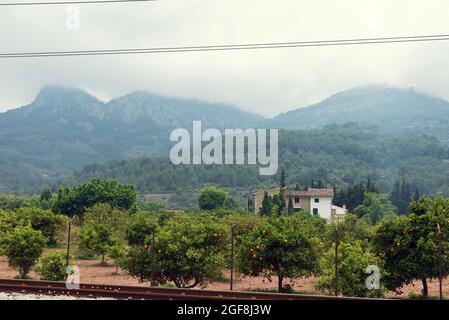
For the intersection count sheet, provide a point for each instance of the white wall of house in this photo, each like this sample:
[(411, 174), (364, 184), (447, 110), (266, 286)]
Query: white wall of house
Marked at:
[(324, 206)]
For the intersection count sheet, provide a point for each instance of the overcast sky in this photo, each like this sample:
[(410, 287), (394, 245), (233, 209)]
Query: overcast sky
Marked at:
[(263, 81)]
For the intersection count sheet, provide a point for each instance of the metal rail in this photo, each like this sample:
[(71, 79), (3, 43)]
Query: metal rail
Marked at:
[(146, 293)]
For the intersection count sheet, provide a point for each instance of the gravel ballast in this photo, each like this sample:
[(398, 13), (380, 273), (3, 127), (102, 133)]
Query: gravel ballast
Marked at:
[(23, 296)]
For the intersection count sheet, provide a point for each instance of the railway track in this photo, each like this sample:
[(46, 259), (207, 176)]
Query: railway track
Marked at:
[(145, 293)]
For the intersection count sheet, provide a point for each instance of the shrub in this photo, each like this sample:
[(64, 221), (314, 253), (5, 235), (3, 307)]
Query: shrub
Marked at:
[(23, 246), (53, 267), (43, 220), (212, 198), (96, 238), (117, 252)]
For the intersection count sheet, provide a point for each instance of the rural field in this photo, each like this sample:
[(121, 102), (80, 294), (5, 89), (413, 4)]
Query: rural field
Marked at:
[(93, 272)]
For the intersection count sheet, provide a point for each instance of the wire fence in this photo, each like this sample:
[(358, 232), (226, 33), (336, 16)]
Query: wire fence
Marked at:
[(93, 271)]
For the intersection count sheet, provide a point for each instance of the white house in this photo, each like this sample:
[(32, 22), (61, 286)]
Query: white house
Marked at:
[(315, 201)]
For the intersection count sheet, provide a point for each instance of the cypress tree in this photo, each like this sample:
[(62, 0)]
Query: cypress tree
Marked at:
[(266, 205), (290, 206), (281, 200), (416, 196), (395, 194)]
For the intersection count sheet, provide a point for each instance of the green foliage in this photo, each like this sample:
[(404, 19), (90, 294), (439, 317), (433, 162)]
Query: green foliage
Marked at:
[(212, 198), (46, 195), (104, 226), (117, 253), (290, 206), (74, 201), (9, 220), (409, 245), (375, 207), (351, 230), (401, 196), (53, 267), (115, 219), (142, 263), (354, 194), (140, 229), (152, 205), (266, 205), (43, 220), (353, 261), (279, 246), (36, 146), (13, 202), (241, 222), (191, 252), (188, 251), (23, 246), (97, 238), (340, 157), (230, 203)]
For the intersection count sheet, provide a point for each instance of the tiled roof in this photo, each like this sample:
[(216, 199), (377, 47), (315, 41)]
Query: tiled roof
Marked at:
[(313, 193), (269, 191)]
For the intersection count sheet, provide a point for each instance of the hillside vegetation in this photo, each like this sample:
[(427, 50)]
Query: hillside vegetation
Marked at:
[(336, 157)]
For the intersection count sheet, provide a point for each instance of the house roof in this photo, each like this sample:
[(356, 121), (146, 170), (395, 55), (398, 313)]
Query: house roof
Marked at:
[(312, 192), (274, 190)]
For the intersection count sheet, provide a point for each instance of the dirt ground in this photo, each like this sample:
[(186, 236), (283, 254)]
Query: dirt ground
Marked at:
[(92, 272)]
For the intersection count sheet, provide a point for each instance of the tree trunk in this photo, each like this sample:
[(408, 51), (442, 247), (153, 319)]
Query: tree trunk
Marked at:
[(425, 288), (103, 259), (190, 286), (23, 273), (280, 280)]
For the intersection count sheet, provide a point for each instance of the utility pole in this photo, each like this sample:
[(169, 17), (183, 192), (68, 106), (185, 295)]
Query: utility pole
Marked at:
[(68, 241), (153, 251), (232, 255), (337, 242), (440, 261)]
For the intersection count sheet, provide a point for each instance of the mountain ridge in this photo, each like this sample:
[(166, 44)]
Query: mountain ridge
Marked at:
[(64, 129), (388, 109)]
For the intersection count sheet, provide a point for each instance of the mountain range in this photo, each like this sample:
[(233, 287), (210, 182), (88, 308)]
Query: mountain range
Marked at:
[(64, 129), (375, 108)]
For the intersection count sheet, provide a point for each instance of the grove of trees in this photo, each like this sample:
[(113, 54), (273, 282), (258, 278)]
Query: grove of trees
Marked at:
[(192, 248)]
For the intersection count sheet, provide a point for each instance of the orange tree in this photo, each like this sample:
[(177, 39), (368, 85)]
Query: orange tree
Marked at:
[(353, 261), (410, 245), (23, 246), (280, 246), (188, 250), (141, 227)]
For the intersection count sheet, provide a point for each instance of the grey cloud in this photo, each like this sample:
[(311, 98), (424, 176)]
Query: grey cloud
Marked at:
[(267, 82)]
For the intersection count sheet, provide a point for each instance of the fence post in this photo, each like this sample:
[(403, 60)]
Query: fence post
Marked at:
[(337, 241), (232, 256), (68, 241), (440, 255)]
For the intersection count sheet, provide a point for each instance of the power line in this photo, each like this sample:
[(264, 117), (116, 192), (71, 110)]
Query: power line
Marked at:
[(69, 2), (228, 47)]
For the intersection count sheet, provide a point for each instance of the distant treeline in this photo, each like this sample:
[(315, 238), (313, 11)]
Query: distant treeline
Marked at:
[(334, 157)]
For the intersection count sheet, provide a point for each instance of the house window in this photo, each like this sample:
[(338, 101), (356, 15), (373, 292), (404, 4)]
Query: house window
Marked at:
[(296, 199), (315, 211), (317, 200)]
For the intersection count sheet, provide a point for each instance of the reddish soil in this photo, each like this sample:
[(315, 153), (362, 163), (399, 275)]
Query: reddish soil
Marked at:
[(92, 272)]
